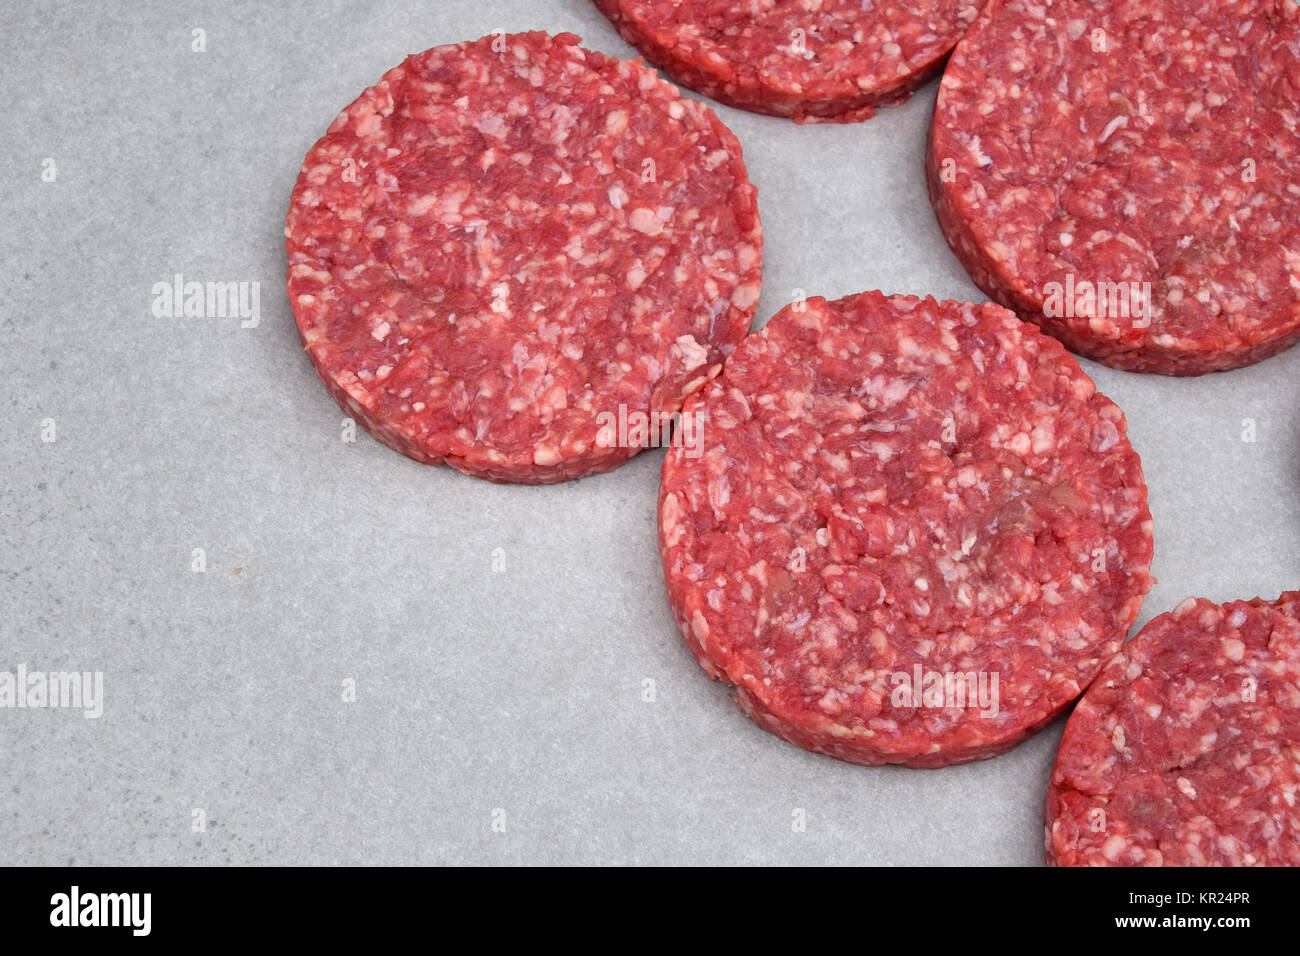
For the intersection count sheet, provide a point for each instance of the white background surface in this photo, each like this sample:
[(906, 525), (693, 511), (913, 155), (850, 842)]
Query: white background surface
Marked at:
[(476, 690)]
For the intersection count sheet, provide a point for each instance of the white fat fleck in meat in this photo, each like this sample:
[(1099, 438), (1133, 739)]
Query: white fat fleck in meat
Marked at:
[(636, 275), (1119, 122), (745, 296), (646, 221), (501, 298), (492, 124), (690, 352), (616, 122)]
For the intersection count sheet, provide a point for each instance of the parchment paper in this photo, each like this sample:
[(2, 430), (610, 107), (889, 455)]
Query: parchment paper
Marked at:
[(499, 640)]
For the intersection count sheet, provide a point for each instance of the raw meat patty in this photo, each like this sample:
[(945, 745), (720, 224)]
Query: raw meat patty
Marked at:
[(912, 531), (503, 242), (829, 60), (1126, 173), (1186, 750)]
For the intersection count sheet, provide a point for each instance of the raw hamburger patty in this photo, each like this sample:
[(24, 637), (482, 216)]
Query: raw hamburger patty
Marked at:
[(827, 60), (503, 241), (1186, 750), (894, 492), (1086, 155)]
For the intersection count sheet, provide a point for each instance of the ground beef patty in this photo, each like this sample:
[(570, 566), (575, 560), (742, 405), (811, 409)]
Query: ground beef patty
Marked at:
[(1186, 750), (830, 60), (1126, 173), (504, 241), (912, 531)]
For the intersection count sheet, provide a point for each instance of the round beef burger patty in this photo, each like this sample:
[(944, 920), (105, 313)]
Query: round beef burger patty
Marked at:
[(1126, 173), (504, 245), (834, 60), (1186, 750), (910, 531)]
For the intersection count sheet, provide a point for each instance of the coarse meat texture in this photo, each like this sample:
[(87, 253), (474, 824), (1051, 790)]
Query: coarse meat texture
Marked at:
[(1186, 750), (1126, 174), (829, 61), (505, 245), (912, 532)]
